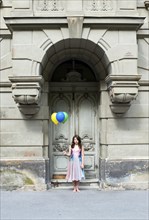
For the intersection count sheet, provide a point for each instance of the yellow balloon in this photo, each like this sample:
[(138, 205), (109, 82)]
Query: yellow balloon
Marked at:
[(53, 118)]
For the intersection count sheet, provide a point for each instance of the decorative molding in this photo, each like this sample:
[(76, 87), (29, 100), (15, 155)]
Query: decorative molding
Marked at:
[(61, 137), (26, 91), (144, 82), (46, 5), (98, 5), (122, 90), (5, 84), (88, 146), (146, 3), (60, 147)]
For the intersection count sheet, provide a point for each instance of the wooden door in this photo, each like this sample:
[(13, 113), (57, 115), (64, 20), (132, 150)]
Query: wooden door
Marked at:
[(83, 120)]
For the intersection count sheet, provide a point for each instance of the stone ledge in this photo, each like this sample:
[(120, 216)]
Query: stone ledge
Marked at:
[(121, 22)]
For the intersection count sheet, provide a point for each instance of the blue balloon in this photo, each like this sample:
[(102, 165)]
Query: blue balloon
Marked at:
[(60, 116)]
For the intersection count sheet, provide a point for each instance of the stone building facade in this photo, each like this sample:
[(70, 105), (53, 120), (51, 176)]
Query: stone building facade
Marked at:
[(89, 59)]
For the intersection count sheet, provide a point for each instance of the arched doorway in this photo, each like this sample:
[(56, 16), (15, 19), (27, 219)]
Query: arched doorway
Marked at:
[(73, 71), (76, 95)]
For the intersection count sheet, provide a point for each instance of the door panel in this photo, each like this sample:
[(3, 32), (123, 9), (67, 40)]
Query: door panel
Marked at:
[(86, 108), (60, 134), (82, 110)]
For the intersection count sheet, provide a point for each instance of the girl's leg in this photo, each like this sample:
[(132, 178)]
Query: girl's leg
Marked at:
[(74, 185), (77, 186)]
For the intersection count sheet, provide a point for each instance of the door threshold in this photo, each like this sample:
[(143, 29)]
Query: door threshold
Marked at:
[(84, 184)]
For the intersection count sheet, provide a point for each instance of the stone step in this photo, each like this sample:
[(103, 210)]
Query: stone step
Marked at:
[(63, 184)]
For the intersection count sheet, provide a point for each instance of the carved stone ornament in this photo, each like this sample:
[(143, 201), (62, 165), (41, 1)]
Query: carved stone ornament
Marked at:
[(99, 5), (60, 147), (146, 3), (88, 146), (26, 91), (122, 90)]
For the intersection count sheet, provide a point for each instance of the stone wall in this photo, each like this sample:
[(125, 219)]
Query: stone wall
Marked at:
[(32, 46)]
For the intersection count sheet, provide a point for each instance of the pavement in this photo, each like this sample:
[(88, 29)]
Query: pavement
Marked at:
[(64, 204)]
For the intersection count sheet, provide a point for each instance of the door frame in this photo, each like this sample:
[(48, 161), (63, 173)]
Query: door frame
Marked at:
[(75, 87)]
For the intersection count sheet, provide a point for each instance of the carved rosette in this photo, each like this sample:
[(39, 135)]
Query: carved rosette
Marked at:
[(122, 90), (26, 92)]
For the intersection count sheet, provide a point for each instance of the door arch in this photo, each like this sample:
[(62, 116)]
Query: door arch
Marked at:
[(87, 51)]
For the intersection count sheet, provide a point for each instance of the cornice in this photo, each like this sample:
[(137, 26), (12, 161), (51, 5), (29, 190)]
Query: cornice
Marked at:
[(17, 79), (143, 82), (113, 22), (143, 33)]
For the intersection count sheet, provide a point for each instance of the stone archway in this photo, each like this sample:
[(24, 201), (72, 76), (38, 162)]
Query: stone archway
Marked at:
[(79, 97), (79, 49)]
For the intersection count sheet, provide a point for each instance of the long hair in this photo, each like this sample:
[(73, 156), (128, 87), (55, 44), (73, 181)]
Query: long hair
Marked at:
[(79, 141)]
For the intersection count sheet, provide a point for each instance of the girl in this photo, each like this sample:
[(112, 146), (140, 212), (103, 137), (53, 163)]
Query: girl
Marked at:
[(75, 170)]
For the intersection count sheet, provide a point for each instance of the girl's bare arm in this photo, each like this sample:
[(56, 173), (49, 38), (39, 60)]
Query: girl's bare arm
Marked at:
[(82, 165), (69, 152)]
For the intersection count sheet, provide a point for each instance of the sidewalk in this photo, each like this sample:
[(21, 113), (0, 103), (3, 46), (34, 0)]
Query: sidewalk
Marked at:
[(65, 204)]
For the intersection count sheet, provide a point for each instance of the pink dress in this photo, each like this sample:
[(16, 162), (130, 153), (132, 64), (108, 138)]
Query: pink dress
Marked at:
[(74, 171)]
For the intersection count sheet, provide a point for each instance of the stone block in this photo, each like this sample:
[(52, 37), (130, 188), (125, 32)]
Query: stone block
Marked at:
[(124, 5), (143, 46), (21, 152), (39, 38), (95, 35), (6, 99), (21, 138), (29, 52), (14, 113), (125, 137), (21, 5), (65, 33), (73, 7), (5, 45), (5, 73), (138, 151), (28, 133), (127, 37), (19, 174), (22, 38), (128, 66), (54, 36), (122, 51), (6, 61), (22, 66), (127, 124), (112, 37), (124, 174)]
